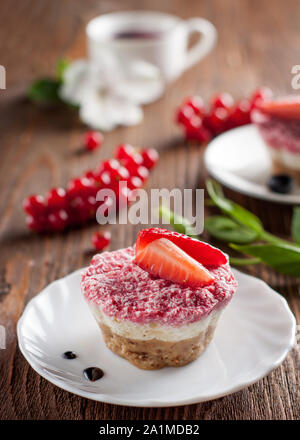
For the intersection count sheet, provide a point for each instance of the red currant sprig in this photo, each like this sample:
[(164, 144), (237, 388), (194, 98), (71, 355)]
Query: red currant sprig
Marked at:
[(201, 125), (77, 204)]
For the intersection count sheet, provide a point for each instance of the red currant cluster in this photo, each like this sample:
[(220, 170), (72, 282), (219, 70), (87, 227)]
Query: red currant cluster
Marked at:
[(77, 204), (223, 114)]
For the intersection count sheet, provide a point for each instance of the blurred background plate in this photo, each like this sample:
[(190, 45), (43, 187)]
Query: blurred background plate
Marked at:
[(238, 159)]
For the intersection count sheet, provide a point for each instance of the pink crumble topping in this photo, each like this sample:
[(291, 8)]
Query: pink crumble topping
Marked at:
[(125, 291)]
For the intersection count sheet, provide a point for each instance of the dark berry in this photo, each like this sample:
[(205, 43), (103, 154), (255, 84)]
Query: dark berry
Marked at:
[(281, 183), (69, 355), (93, 373)]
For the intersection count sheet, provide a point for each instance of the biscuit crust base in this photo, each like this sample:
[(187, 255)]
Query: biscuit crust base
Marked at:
[(155, 354)]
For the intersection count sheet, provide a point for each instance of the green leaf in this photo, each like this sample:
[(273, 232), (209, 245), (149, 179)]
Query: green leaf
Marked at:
[(236, 211), (296, 224), (44, 91), (225, 229), (282, 257), (61, 67), (179, 223), (244, 261)]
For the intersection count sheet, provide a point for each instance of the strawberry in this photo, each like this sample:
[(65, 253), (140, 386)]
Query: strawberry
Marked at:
[(200, 251), (288, 107), (164, 259)]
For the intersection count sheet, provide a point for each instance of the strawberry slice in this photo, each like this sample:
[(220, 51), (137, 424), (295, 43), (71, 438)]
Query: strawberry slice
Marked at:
[(164, 259), (287, 108), (200, 251)]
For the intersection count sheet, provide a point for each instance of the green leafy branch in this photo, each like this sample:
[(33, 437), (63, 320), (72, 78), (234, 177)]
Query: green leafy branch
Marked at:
[(244, 232), (45, 91)]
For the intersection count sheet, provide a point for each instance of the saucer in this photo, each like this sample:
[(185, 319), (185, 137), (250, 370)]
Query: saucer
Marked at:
[(239, 160), (253, 336)]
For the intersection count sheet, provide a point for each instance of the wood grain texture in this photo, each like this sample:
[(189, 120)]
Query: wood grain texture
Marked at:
[(258, 44)]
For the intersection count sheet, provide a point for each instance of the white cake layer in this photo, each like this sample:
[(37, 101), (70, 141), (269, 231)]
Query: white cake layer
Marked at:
[(286, 158), (132, 330)]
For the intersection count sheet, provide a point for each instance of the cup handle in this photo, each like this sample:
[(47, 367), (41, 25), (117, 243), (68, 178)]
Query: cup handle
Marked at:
[(209, 37)]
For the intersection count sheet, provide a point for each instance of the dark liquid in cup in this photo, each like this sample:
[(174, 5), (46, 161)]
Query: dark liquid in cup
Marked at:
[(137, 33)]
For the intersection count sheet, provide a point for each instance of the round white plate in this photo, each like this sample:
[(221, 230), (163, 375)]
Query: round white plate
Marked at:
[(239, 160), (254, 334)]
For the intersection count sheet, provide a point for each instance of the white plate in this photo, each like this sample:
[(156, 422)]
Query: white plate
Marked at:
[(239, 160), (253, 336)]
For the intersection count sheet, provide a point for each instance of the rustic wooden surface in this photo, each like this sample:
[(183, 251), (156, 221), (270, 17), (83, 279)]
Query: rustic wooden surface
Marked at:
[(258, 44)]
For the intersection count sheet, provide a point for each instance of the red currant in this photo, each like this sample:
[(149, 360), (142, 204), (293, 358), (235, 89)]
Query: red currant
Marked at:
[(80, 187), (101, 240), (132, 163), (110, 166), (91, 206), (150, 157), (217, 120), (93, 140), (34, 205), (103, 180), (194, 123), (184, 114), (200, 134), (90, 174), (56, 199), (222, 100), (124, 151), (58, 220), (196, 103), (260, 95), (134, 182), (38, 224), (122, 173), (241, 114), (78, 211), (142, 172)]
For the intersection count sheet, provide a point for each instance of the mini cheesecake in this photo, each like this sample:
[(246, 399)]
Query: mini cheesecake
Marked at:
[(148, 318), (278, 123)]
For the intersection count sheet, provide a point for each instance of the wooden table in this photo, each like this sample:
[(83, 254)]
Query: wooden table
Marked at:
[(258, 44)]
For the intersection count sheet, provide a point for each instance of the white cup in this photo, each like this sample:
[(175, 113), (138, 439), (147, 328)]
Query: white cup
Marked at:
[(158, 38)]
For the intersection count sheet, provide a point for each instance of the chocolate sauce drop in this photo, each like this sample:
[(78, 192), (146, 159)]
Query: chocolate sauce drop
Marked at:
[(69, 355), (93, 373)]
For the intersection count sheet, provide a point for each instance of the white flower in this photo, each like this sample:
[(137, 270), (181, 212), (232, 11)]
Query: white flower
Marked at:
[(111, 94)]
